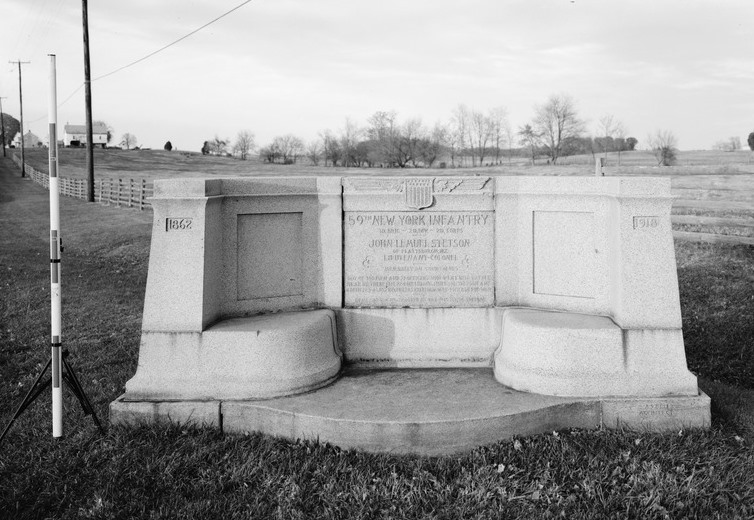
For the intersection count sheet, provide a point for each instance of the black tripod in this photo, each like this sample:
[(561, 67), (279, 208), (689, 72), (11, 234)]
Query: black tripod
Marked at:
[(69, 377)]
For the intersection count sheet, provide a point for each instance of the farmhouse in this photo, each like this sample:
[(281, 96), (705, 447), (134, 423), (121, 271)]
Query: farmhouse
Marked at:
[(75, 135), (30, 140)]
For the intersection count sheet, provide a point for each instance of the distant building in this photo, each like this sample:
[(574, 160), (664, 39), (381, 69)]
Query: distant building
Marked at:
[(30, 140), (75, 135)]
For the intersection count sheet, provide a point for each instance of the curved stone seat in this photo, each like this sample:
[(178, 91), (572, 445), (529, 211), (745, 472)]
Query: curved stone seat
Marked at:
[(241, 358), (570, 354)]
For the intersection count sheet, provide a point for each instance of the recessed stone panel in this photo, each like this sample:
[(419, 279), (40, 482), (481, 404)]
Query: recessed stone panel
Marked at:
[(269, 255), (563, 243)]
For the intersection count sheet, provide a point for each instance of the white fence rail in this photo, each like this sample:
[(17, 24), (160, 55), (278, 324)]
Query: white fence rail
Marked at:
[(129, 193)]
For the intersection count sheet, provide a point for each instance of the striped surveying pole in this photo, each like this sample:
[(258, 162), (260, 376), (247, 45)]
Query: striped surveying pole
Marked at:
[(55, 250), (61, 369)]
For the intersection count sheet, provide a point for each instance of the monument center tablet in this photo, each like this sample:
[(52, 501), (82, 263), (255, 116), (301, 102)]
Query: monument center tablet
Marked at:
[(419, 257)]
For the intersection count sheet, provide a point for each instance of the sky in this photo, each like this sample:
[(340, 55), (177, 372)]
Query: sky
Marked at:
[(275, 67)]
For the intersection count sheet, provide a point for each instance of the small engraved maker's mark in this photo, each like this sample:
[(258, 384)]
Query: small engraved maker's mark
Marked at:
[(178, 224), (646, 222)]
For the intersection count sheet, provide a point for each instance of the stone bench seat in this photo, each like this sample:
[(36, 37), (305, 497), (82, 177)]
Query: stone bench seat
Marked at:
[(241, 358), (570, 354)]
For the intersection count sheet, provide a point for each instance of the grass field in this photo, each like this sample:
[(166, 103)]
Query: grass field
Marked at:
[(158, 164), (181, 472)]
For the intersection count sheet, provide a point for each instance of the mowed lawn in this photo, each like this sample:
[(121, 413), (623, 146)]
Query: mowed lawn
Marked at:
[(159, 164), (177, 471)]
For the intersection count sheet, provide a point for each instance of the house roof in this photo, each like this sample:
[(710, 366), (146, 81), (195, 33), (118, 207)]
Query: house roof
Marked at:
[(97, 128)]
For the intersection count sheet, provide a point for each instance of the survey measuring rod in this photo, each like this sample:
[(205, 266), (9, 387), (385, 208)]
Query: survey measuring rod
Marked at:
[(62, 371), (56, 301)]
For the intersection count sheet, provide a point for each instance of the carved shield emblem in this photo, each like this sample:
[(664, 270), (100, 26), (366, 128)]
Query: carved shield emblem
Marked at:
[(419, 193)]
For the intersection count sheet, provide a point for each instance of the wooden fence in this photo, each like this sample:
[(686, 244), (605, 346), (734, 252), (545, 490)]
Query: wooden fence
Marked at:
[(716, 238), (127, 193), (133, 193)]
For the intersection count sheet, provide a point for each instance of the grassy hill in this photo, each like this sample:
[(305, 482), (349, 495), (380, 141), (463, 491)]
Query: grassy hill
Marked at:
[(157, 164)]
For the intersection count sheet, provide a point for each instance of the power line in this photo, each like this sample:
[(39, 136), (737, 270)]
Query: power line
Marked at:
[(149, 55), (172, 43)]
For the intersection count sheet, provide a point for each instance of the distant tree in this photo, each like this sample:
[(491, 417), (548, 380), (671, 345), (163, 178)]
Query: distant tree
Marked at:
[(480, 135), (128, 140), (665, 147), (330, 147), (498, 118), (168, 146), (557, 123), (218, 146), (11, 126), (284, 148), (411, 133), (529, 137), (509, 138), (205, 148), (750, 140), (383, 136), (631, 143), (244, 144), (609, 129), (314, 151), (460, 128), (349, 138), (730, 144), (431, 147)]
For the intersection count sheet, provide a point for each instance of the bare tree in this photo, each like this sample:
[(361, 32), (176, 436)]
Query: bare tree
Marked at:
[(529, 137), (314, 151), (557, 123), (330, 147), (287, 148), (384, 136), (480, 135), (498, 118), (244, 144), (665, 147), (128, 140), (218, 146), (509, 138), (609, 128), (349, 138), (730, 144), (412, 131), (460, 122), (433, 145)]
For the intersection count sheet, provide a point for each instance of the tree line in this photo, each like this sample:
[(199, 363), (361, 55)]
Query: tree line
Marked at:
[(468, 137)]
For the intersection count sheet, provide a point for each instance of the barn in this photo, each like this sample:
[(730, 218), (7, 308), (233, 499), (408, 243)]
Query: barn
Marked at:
[(75, 135)]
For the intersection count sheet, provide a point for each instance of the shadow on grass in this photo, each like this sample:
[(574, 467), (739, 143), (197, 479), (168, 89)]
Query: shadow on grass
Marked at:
[(717, 305)]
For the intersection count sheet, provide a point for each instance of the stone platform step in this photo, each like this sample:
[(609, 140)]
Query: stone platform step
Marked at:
[(422, 411)]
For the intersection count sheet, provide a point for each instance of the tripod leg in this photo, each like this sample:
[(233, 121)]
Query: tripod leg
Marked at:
[(69, 376), (31, 395)]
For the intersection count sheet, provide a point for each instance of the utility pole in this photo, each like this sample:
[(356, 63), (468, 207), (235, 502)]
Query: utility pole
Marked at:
[(88, 102), (2, 123), (21, 119)]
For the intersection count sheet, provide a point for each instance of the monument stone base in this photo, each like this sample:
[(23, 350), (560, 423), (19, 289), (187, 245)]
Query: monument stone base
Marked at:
[(420, 411), (465, 308)]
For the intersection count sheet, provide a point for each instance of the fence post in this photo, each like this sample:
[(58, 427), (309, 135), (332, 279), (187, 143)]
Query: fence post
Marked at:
[(599, 164), (142, 194), (130, 193), (120, 183)]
